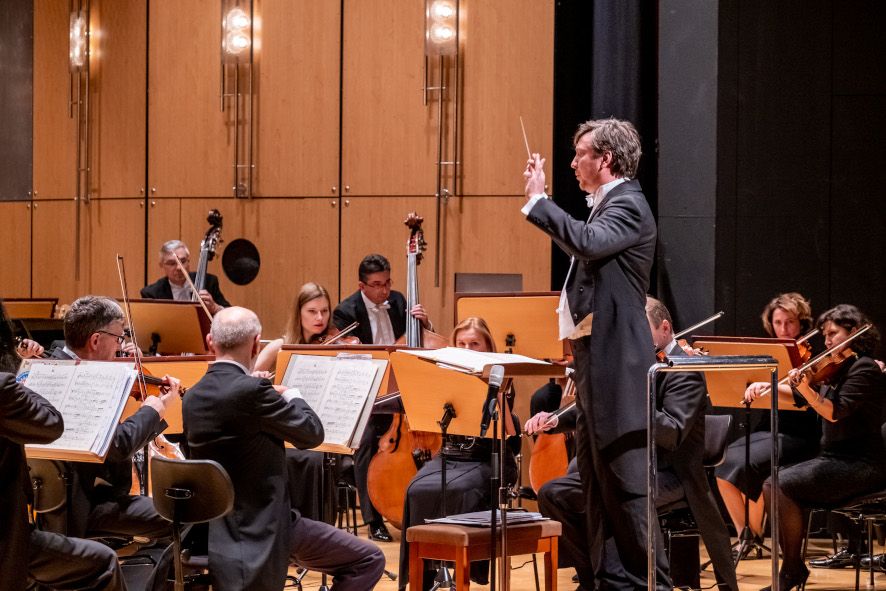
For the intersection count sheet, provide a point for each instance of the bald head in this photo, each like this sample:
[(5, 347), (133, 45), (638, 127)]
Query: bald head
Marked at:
[(235, 333)]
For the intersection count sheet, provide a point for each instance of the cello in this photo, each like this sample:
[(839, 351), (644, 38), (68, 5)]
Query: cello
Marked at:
[(208, 245), (401, 452)]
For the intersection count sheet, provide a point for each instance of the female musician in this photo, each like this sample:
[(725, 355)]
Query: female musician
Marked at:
[(852, 404), (787, 316), (308, 324), (10, 353), (467, 469)]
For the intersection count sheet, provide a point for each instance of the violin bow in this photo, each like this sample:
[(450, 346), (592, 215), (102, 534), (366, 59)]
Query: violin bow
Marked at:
[(127, 312), (193, 287), (344, 332)]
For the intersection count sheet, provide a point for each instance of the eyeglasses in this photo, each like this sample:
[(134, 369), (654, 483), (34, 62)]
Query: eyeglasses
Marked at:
[(171, 262), (120, 337), (379, 284)]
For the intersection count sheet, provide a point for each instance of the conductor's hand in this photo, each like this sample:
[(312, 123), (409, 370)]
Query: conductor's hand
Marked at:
[(210, 303), (755, 390), (29, 348), (543, 421), (534, 175), (418, 311)]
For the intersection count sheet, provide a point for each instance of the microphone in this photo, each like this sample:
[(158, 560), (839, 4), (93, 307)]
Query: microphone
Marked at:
[(496, 375)]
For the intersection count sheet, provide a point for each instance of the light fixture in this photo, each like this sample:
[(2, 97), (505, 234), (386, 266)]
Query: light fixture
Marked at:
[(78, 109), (237, 49), (237, 30), (441, 27), (79, 39)]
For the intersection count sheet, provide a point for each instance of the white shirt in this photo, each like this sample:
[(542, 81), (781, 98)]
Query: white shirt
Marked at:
[(181, 293), (566, 322), (379, 321)]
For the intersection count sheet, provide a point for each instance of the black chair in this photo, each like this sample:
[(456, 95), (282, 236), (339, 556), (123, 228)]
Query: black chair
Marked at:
[(50, 481), (187, 492)]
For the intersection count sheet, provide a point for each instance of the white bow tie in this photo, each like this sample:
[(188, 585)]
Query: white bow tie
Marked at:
[(382, 306)]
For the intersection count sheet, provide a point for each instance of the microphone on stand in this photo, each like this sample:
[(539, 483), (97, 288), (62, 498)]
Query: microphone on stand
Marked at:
[(496, 376)]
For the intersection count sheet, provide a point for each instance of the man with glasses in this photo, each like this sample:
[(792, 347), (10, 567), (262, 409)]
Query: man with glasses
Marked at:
[(100, 501), (174, 286), (381, 313)]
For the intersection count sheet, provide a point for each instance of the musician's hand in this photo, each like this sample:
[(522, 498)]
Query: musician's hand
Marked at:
[(756, 390), (881, 364), (28, 348), (210, 303), (263, 374), (534, 175), (418, 311), (543, 421), (796, 378), (128, 349), (280, 388), (173, 389)]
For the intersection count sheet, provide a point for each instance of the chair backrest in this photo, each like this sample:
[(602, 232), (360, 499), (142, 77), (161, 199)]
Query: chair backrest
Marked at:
[(48, 482), (191, 491), (716, 431)]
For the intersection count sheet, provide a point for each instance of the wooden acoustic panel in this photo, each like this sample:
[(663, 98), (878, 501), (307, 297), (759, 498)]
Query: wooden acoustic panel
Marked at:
[(15, 272), (55, 132), (54, 257), (297, 114), (117, 98), (389, 138), (164, 223), (112, 227), (297, 240), (508, 73), (191, 146)]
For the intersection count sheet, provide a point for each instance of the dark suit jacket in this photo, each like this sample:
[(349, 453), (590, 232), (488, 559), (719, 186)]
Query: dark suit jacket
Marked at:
[(25, 417), (160, 290), (613, 257), (130, 436), (241, 422), (352, 309)]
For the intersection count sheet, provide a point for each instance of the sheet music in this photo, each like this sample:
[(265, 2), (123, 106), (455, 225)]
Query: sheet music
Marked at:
[(90, 398), (472, 361)]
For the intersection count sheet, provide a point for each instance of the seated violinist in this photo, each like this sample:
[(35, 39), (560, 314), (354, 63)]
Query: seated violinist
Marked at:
[(787, 316), (852, 404), (468, 470), (174, 286), (679, 432), (100, 502)]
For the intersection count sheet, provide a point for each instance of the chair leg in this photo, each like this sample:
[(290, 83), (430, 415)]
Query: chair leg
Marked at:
[(806, 537), (870, 523), (535, 572), (552, 559), (463, 569), (416, 572), (177, 553)]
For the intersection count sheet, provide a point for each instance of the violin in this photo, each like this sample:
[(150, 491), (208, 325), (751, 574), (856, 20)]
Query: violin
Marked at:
[(804, 347), (150, 380), (336, 336), (401, 451)]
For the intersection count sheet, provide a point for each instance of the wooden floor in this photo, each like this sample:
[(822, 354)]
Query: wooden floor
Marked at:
[(752, 574)]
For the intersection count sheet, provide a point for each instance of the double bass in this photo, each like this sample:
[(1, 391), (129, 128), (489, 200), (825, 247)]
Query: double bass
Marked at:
[(208, 246), (401, 452)]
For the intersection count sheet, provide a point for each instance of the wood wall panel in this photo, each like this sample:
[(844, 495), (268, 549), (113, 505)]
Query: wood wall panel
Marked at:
[(55, 132), (508, 73), (164, 223), (297, 114), (53, 258), (297, 240), (112, 227), (389, 138), (15, 272), (191, 141), (117, 98)]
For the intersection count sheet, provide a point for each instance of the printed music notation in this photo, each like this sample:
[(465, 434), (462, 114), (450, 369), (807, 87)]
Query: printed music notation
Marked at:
[(338, 389), (90, 397)]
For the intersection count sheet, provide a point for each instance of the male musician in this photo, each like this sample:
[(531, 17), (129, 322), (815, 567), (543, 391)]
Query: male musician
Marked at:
[(602, 311), (679, 433), (174, 286), (381, 313), (101, 503), (241, 422)]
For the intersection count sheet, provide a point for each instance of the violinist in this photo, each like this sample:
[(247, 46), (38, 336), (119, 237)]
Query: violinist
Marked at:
[(852, 406), (174, 286), (101, 503), (787, 316), (679, 432), (381, 314), (467, 470)]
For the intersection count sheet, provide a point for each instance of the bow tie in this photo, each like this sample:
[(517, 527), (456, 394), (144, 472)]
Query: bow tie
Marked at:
[(382, 306), (590, 201)]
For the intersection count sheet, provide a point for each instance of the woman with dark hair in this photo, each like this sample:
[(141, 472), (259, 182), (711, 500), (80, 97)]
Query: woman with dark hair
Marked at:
[(786, 316), (467, 469), (852, 405), (10, 354)]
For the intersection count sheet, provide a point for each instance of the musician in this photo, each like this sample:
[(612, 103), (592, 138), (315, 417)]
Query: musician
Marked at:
[(605, 290), (852, 460), (241, 422), (101, 503), (174, 286), (786, 316), (381, 313), (468, 471), (30, 555), (679, 433)]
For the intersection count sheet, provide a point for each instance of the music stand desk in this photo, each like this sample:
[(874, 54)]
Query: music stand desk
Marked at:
[(182, 326)]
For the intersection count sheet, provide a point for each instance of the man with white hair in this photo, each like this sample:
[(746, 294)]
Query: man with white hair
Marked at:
[(241, 422), (174, 286)]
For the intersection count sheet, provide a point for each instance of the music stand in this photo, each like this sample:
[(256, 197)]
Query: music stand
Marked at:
[(172, 328), (428, 389), (30, 307), (523, 323)]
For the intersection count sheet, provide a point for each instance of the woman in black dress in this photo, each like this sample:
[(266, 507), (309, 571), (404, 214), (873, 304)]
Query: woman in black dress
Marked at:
[(468, 472), (852, 405)]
